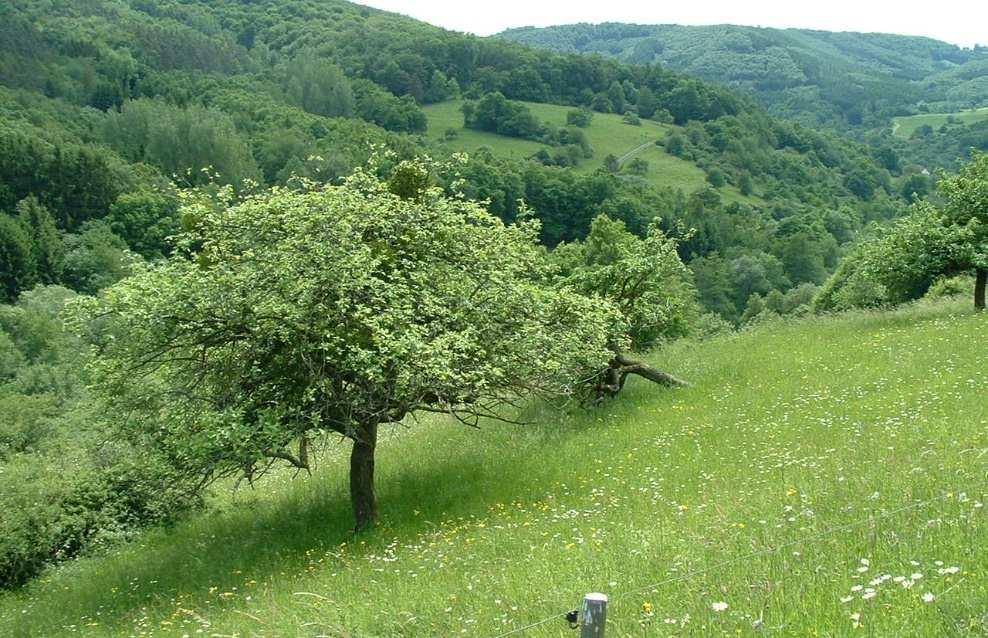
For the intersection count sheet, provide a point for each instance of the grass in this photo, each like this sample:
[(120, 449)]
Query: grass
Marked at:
[(608, 134), (807, 436), (904, 127)]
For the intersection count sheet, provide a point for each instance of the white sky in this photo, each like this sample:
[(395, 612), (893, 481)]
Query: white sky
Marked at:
[(963, 22)]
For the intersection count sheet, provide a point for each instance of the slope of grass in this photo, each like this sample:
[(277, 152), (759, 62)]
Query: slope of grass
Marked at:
[(775, 484), (904, 127), (608, 134)]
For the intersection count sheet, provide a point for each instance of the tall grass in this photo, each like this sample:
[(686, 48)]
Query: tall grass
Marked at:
[(791, 435)]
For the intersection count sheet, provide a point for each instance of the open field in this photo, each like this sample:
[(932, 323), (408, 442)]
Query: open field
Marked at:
[(904, 127), (817, 476), (607, 134)]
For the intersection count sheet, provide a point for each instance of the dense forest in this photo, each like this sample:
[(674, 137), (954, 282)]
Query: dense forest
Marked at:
[(142, 143), (107, 105), (816, 77)]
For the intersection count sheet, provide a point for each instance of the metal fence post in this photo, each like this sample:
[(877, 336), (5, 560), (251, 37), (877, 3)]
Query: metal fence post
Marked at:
[(594, 615)]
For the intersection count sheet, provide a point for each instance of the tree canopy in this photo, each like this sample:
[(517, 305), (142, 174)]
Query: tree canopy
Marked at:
[(292, 314)]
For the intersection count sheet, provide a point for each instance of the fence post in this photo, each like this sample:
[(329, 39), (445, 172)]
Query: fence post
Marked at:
[(594, 615)]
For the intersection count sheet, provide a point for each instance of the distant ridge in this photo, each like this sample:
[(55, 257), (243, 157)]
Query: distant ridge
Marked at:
[(837, 79)]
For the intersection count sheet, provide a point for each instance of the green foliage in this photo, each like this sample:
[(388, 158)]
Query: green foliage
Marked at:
[(144, 220), (636, 166), (797, 74), (579, 117), (643, 277), (194, 144), (675, 144), (96, 258), (631, 118), (297, 313), (318, 86), (74, 182), (966, 204), (57, 509), (496, 114), (376, 105), (798, 391), (898, 264), (950, 287), (69, 485), (47, 247), (903, 261), (716, 178), (18, 265)]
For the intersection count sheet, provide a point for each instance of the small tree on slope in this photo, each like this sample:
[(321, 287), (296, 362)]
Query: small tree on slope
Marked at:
[(295, 314), (966, 206)]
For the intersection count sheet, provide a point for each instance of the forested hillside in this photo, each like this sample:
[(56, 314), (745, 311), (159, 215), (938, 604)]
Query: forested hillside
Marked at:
[(234, 232), (817, 77), (107, 106)]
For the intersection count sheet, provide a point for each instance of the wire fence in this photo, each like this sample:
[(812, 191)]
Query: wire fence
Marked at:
[(745, 557)]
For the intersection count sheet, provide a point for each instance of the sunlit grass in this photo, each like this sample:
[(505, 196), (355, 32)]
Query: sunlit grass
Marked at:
[(608, 134), (904, 127), (792, 435)]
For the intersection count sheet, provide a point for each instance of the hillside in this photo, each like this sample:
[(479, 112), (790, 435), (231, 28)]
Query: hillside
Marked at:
[(607, 134), (817, 77), (107, 109), (819, 476), (906, 126)]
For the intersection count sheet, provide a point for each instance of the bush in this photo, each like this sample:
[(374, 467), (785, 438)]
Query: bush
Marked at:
[(951, 287), (637, 166), (711, 325), (71, 503), (579, 117)]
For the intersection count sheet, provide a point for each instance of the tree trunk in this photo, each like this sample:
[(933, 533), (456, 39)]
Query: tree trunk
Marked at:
[(979, 288), (362, 477), (611, 381)]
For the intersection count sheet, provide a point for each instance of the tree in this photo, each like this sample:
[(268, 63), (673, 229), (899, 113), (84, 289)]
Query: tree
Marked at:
[(745, 184), (716, 178), (637, 166), (319, 86), (145, 219), (579, 117), (18, 269), (645, 280), (966, 207), (95, 258), (647, 103), (495, 113), (47, 246), (336, 309), (602, 104), (899, 263), (193, 143), (675, 144), (615, 93)]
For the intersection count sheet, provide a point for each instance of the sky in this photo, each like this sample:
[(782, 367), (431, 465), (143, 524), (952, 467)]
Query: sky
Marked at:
[(962, 22)]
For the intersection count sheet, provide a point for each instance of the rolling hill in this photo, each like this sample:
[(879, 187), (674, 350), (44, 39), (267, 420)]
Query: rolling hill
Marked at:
[(824, 475), (607, 133), (818, 77), (904, 127)]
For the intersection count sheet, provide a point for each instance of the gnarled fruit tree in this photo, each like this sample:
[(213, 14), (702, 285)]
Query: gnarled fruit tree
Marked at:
[(294, 314)]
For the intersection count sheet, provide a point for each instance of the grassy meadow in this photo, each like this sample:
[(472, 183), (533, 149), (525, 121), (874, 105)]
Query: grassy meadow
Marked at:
[(784, 493), (608, 134), (904, 127)]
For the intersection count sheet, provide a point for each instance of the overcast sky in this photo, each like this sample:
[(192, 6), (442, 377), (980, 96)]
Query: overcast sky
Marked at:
[(963, 22)]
